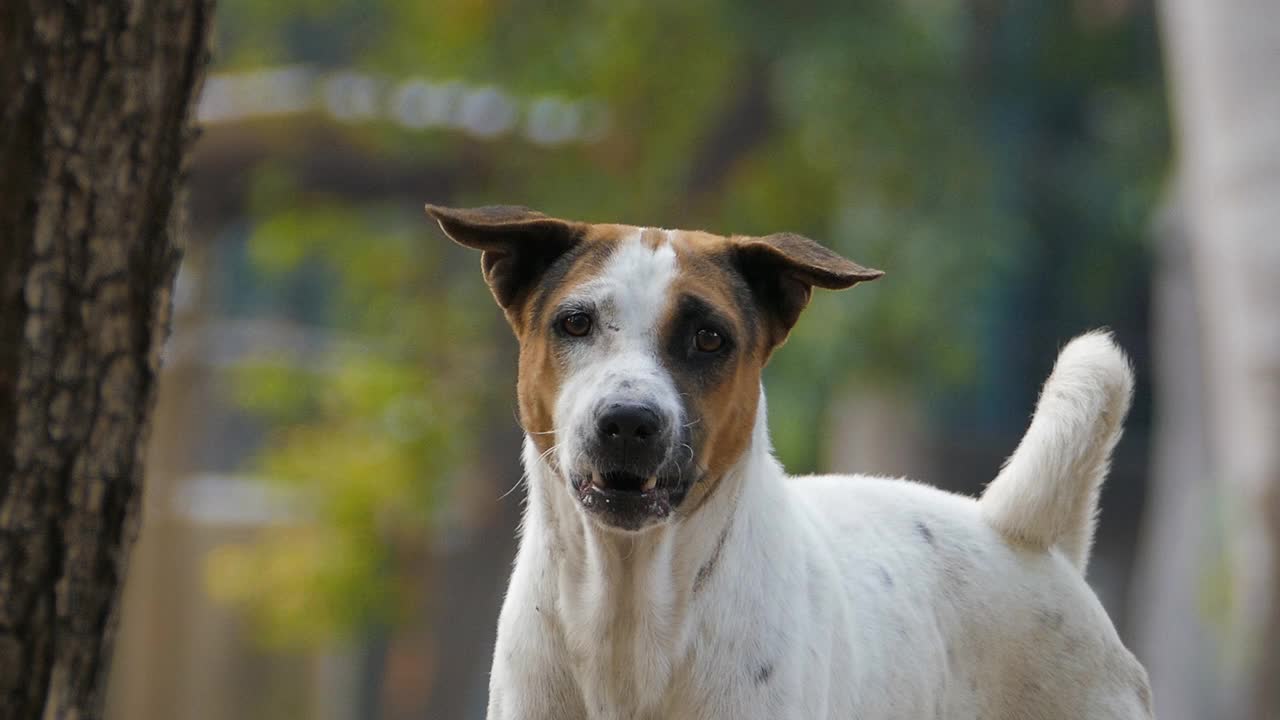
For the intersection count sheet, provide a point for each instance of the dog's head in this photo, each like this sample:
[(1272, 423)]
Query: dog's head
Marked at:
[(641, 349)]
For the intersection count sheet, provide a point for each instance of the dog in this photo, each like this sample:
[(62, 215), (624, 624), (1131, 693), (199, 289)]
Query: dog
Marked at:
[(669, 568)]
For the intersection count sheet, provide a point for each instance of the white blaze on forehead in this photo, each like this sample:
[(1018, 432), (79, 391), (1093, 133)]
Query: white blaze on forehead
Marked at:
[(636, 280), (631, 291)]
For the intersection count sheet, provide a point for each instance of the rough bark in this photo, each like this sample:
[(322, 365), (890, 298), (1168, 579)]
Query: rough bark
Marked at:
[(94, 132), (1222, 59)]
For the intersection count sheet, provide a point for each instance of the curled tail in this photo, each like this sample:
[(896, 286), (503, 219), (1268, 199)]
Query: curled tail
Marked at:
[(1046, 494)]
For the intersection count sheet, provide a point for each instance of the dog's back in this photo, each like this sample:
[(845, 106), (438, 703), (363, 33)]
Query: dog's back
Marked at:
[(956, 620), (980, 608)]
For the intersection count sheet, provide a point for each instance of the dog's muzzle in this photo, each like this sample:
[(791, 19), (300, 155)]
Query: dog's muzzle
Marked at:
[(633, 476)]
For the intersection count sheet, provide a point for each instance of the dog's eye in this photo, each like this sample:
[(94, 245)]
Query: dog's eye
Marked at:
[(577, 324), (708, 340)]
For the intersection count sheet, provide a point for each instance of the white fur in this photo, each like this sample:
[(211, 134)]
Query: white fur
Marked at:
[(832, 597)]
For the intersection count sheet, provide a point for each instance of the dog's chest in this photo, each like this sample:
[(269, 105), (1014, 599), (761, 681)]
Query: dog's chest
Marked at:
[(627, 641)]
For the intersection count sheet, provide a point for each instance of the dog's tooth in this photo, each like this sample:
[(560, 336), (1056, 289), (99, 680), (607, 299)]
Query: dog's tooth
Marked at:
[(596, 479), (650, 484)]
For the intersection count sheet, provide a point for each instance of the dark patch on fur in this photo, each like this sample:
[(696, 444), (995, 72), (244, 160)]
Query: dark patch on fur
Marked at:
[(763, 674), (693, 370), (1030, 691), (925, 533), (1051, 619), (704, 572), (954, 577), (885, 578)]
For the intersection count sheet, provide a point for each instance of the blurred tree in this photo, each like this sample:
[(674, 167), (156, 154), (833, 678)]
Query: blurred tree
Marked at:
[(1222, 58), (1179, 593), (368, 436), (93, 141)]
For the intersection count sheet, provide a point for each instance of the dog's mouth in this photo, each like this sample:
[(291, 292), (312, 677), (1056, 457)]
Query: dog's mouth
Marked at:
[(628, 500), (624, 482)]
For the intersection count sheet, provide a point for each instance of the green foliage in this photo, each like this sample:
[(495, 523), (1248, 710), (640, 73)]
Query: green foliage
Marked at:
[(367, 430), (361, 472)]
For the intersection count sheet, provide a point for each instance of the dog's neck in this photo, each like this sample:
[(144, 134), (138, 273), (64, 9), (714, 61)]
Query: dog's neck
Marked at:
[(627, 602)]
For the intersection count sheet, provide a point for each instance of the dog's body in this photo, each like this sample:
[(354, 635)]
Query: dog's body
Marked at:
[(653, 585)]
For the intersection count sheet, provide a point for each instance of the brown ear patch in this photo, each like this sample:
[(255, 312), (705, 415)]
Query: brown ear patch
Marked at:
[(519, 244), (783, 269)]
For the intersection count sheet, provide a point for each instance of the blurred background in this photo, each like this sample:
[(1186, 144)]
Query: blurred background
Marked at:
[(333, 491)]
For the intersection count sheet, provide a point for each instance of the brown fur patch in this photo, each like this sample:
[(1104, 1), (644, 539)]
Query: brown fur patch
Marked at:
[(653, 238)]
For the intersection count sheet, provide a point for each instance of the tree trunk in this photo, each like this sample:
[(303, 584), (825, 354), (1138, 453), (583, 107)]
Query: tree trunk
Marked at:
[(94, 132), (1173, 635), (1223, 57)]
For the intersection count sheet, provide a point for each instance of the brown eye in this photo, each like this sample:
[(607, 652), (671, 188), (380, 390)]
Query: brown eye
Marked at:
[(577, 324), (707, 340)]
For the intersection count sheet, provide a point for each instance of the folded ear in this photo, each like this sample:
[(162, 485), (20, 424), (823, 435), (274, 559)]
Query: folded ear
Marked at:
[(782, 271), (519, 244)]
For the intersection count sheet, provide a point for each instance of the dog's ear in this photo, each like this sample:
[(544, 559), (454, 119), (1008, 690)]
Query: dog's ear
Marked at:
[(519, 244), (782, 271)]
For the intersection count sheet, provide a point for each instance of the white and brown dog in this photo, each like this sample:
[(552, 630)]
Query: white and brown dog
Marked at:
[(668, 568)]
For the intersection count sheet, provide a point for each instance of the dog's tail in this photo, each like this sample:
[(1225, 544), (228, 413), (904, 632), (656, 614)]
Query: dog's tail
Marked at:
[(1046, 494)]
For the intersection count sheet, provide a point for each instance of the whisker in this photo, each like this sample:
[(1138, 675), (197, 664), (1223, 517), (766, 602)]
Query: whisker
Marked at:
[(525, 475), (512, 489), (515, 413), (547, 452)]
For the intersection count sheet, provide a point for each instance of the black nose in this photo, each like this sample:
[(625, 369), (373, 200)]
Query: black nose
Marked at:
[(629, 430)]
